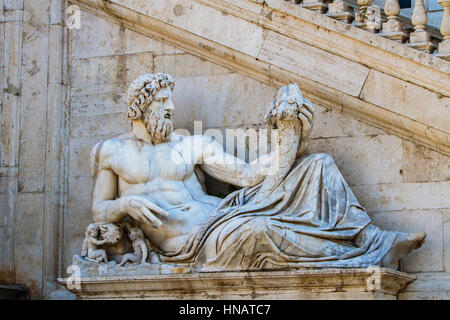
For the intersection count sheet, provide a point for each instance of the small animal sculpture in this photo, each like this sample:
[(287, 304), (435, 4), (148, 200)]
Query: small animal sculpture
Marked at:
[(111, 233)]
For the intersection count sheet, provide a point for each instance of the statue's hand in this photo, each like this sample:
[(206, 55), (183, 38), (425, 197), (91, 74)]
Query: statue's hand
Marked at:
[(306, 116), (143, 210)]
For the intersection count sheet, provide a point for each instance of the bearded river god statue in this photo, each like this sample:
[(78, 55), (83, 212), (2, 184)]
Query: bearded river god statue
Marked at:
[(301, 215)]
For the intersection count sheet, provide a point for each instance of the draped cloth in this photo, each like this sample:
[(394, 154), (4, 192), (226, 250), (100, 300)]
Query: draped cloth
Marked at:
[(310, 219)]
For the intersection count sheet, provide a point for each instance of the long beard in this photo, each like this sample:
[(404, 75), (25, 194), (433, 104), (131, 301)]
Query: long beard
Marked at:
[(158, 127)]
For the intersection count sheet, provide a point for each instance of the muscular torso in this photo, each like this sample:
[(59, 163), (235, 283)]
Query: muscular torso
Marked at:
[(164, 173)]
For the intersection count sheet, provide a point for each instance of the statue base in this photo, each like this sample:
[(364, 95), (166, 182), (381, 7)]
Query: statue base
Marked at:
[(108, 281)]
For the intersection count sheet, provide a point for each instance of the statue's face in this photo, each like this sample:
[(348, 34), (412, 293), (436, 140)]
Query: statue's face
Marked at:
[(92, 231), (162, 103), (158, 117)]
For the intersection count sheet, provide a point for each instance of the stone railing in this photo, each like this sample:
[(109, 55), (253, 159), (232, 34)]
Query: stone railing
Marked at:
[(370, 18)]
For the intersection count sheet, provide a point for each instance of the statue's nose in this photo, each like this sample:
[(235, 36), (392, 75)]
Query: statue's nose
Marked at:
[(169, 105)]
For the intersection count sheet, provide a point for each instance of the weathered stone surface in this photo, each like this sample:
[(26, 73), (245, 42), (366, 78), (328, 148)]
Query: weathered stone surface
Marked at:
[(200, 19), (239, 101), (98, 37), (119, 69), (33, 110), (446, 215), (403, 196), (80, 149), (313, 63), (186, 66), (105, 102), (420, 164), (4, 210), (28, 242), (446, 231), (4, 247), (77, 217), (331, 124), (428, 286), (86, 126), (383, 90), (361, 159), (37, 12)]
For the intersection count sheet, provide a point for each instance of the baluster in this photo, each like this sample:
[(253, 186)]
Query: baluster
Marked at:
[(368, 17), (392, 29), (444, 46), (341, 11), (420, 38)]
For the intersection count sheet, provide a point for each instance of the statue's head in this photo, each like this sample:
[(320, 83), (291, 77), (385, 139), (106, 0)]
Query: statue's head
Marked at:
[(92, 230), (110, 232), (287, 104), (135, 233), (150, 101)]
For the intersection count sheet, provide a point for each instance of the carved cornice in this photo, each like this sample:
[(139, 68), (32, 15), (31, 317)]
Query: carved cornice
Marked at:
[(297, 284), (302, 26)]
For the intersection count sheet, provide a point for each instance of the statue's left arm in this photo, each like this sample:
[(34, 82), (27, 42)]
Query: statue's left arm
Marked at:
[(293, 135), (227, 168), (292, 116)]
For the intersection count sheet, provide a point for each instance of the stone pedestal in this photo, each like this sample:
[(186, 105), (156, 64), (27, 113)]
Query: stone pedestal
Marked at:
[(341, 11), (315, 5), (444, 50), (392, 29), (173, 283), (420, 39)]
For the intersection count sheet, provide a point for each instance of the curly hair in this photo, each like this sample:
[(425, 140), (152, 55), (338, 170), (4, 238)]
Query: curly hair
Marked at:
[(142, 90)]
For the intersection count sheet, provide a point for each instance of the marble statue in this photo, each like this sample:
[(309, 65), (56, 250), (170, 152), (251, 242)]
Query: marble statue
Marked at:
[(302, 215)]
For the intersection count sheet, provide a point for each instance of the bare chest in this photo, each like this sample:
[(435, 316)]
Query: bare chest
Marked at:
[(142, 163)]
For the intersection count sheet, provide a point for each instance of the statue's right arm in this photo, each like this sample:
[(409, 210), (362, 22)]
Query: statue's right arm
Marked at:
[(105, 206)]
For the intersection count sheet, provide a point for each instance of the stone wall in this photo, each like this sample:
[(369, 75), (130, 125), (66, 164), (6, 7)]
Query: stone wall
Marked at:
[(403, 185), (32, 73)]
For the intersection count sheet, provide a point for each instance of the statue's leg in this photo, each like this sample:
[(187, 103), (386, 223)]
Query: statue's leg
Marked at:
[(319, 222), (403, 244), (104, 256), (125, 259), (255, 243)]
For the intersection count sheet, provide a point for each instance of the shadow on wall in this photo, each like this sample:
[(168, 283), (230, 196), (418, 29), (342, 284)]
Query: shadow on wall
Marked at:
[(17, 292)]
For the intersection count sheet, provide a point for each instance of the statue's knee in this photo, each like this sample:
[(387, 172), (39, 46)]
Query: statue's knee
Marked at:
[(259, 226)]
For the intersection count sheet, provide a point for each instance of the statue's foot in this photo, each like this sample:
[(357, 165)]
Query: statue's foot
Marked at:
[(404, 244)]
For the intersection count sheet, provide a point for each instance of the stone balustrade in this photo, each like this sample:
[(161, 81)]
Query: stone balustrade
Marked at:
[(369, 17), (444, 46)]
